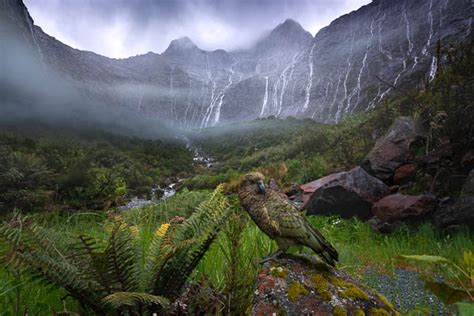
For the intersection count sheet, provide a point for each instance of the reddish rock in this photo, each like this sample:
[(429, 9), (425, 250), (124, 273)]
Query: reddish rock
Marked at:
[(394, 188), (404, 173), (393, 149), (302, 287), (346, 194), (398, 206)]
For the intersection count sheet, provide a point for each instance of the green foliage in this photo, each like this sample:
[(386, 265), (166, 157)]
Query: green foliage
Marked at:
[(24, 180), (465, 309), (445, 107), (448, 293), (131, 270), (46, 170), (210, 181), (120, 299)]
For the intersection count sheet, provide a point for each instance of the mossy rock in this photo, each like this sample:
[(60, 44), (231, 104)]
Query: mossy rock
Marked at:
[(293, 286)]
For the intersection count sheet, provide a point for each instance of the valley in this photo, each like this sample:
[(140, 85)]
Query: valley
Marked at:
[(121, 179)]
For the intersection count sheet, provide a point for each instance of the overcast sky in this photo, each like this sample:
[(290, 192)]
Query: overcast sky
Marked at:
[(122, 28)]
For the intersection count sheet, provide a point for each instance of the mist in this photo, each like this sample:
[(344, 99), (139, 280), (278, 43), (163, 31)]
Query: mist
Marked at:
[(33, 94)]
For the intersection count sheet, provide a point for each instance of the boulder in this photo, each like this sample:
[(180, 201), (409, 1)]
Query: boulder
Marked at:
[(397, 207), (347, 194), (292, 286), (404, 173), (393, 149), (462, 212)]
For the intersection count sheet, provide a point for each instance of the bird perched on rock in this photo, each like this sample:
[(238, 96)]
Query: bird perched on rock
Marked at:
[(281, 220)]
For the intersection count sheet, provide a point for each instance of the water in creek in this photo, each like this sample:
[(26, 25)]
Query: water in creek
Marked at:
[(171, 189)]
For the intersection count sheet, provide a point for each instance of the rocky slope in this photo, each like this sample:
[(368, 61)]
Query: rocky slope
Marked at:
[(288, 72)]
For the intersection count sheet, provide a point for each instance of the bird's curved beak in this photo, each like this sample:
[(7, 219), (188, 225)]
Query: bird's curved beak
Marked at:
[(261, 187)]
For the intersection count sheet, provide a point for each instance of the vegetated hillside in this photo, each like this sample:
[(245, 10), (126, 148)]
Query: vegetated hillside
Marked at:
[(46, 168)]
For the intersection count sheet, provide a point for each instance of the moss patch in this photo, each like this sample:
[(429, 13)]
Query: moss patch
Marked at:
[(295, 290), (340, 282), (355, 293), (321, 286), (279, 273), (275, 264), (359, 312), (384, 300), (351, 291), (378, 312), (339, 311)]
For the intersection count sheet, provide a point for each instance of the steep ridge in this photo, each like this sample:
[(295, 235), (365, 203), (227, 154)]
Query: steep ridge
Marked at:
[(287, 72), (393, 40)]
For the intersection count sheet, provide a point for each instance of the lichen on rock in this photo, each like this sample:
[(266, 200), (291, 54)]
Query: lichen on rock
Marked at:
[(295, 290), (293, 285)]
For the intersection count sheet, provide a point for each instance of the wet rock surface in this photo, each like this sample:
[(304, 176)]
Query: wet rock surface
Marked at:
[(347, 194), (293, 286), (393, 149), (398, 206), (404, 173)]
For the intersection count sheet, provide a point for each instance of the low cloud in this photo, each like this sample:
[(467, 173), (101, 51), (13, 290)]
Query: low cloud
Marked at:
[(123, 28)]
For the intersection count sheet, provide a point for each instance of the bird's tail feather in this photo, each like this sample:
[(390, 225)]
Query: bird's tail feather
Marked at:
[(322, 247)]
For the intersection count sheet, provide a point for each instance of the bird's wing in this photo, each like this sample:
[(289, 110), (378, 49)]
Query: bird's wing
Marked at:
[(265, 217), (291, 223)]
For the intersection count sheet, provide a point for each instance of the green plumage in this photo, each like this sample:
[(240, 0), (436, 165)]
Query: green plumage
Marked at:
[(281, 220)]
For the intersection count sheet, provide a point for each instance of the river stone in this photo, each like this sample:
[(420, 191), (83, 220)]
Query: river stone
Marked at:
[(347, 194), (398, 206), (393, 149), (293, 286)]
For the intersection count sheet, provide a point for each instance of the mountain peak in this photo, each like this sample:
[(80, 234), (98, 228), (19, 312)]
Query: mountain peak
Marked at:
[(289, 34), (289, 26), (290, 23), (180, 45)]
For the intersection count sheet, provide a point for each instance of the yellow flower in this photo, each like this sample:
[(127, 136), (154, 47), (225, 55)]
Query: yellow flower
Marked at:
[(160, 232), (134, 230)]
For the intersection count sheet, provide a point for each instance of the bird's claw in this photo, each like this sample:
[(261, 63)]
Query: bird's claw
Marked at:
[(271, 257)]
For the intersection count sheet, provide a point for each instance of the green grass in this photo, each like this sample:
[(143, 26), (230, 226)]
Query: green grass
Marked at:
[(358, 246)]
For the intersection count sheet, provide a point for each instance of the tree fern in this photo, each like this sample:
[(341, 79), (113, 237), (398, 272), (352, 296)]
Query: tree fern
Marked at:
[(123, 299), (106, 276), (203, 225)]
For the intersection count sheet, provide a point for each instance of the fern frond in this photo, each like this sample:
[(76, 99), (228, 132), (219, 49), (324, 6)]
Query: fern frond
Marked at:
[(88, 254), (120, 255), (34, 251), (123, 299), (202, 228)]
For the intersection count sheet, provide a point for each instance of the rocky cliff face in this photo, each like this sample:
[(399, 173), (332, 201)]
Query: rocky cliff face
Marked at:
[(349, 66)]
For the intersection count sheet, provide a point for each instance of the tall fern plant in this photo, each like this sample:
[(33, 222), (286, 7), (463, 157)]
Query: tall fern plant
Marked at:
[(111, 277)]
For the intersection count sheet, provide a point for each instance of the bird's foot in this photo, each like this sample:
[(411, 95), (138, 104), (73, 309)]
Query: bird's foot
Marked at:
[(273, 256)]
